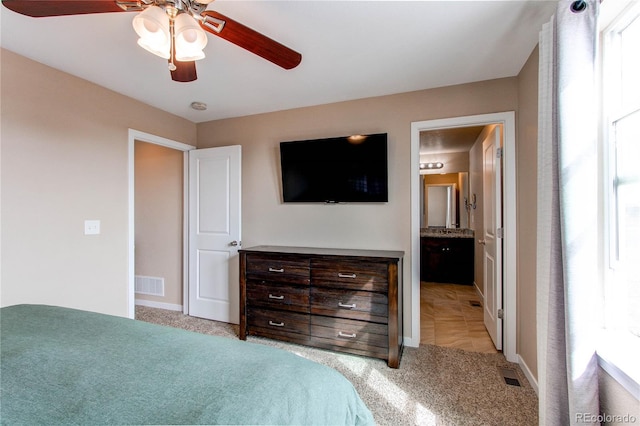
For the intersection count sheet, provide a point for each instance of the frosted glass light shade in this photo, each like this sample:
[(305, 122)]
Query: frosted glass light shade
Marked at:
[(190, 38), (152, 25)]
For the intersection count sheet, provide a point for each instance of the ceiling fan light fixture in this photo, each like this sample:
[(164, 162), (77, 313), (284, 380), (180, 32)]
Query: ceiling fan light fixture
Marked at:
[(189, 56), (190, 39), (152, 26), (156, 49)]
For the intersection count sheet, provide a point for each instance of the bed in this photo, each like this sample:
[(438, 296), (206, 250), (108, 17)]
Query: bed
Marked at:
[(66, 366)]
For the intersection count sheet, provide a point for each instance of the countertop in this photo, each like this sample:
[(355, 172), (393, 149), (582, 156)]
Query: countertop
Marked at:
[(446, 233)]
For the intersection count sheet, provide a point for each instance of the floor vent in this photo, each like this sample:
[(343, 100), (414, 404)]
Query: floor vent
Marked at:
[(510, 376), (152, 286)]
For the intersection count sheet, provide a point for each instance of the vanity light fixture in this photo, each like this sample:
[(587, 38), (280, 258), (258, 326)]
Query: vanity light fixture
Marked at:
[(431, 166)]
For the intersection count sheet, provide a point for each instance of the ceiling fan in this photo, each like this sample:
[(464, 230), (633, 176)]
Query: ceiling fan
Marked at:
[(169, 29)]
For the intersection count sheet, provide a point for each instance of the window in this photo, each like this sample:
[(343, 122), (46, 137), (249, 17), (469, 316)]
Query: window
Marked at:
[(621, 178)]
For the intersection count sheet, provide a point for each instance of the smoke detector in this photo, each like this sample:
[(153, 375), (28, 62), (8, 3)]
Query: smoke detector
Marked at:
[(199, 106)]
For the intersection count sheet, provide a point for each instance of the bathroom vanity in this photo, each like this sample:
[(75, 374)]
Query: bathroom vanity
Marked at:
[(446, 255)]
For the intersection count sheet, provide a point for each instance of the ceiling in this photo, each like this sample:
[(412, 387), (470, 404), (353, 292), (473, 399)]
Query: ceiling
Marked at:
[(446, 141), (350, 50)]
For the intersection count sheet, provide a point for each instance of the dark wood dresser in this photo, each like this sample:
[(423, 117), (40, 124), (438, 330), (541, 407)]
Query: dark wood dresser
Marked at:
[(338, 299)]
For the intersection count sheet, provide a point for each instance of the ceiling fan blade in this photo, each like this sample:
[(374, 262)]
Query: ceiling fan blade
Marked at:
[(184, 72), (250, 40), (42, 8)]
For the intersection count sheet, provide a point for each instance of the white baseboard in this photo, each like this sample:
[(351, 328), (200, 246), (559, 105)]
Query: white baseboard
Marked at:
[(478, 292), (159, 305), (409, 342), (527, 372)]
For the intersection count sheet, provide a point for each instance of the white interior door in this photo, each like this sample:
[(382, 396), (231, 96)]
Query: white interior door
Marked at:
[(491, 240), (214, 233)]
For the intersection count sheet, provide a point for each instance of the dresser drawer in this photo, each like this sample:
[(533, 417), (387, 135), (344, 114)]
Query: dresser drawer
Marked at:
[(349, 274), (291, 298), (279, 268), (277, 323), (349, 333), (359, 305)]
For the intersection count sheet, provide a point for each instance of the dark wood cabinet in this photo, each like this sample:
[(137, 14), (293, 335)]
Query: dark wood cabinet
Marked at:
[(343, 300), (446, 260)]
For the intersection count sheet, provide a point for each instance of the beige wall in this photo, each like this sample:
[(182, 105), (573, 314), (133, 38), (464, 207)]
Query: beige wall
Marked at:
[(159, 188), (266, 220), (435, 179), (64, 160), (526, 187)]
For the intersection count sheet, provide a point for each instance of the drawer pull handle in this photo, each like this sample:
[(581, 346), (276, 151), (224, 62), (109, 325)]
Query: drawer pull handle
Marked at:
[(271, 296), (276, 324), (341, 275), (281, 270), (348, 336), (344, 305)]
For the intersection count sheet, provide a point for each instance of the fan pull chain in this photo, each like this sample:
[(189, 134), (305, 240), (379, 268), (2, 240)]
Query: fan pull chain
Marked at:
[(172, 34)]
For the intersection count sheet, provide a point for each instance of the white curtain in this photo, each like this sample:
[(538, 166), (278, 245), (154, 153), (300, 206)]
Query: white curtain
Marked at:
[(567, 272)]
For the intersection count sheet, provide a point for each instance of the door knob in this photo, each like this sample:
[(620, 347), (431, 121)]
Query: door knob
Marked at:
[(234, 243), (483, 242)]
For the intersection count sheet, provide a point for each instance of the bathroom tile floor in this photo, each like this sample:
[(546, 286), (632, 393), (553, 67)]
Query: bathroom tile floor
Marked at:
[(451, 315)]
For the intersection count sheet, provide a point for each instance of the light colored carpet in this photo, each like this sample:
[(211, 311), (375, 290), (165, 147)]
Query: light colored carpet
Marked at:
[(433, 386)]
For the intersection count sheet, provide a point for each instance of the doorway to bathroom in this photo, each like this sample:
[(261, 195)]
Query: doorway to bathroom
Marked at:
[(452, 194), (481, 215)]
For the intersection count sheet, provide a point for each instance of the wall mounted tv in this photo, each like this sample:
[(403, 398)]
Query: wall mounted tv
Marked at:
[(335, 170)]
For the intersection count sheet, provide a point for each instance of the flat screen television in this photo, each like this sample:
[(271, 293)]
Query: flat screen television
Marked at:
[(335, 170)]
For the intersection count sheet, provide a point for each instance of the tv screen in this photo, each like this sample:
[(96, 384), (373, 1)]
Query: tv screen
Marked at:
[(334, 170)]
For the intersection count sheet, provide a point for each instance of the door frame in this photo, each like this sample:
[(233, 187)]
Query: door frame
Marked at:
[(507, 119), (133, 136)]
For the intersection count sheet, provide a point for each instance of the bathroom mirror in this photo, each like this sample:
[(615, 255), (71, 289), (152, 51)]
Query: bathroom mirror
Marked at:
[(443, 200), (440, 205)]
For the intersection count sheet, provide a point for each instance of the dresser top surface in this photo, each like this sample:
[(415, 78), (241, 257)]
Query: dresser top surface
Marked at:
[(317, 251)]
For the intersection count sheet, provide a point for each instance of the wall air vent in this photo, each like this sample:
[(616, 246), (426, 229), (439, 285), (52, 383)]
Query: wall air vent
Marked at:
[(152, 286)]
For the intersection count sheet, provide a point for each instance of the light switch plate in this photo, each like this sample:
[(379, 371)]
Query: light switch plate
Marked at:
[(91, 227)]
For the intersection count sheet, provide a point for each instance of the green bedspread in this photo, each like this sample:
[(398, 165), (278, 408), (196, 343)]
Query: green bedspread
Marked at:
[(65, 366)]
